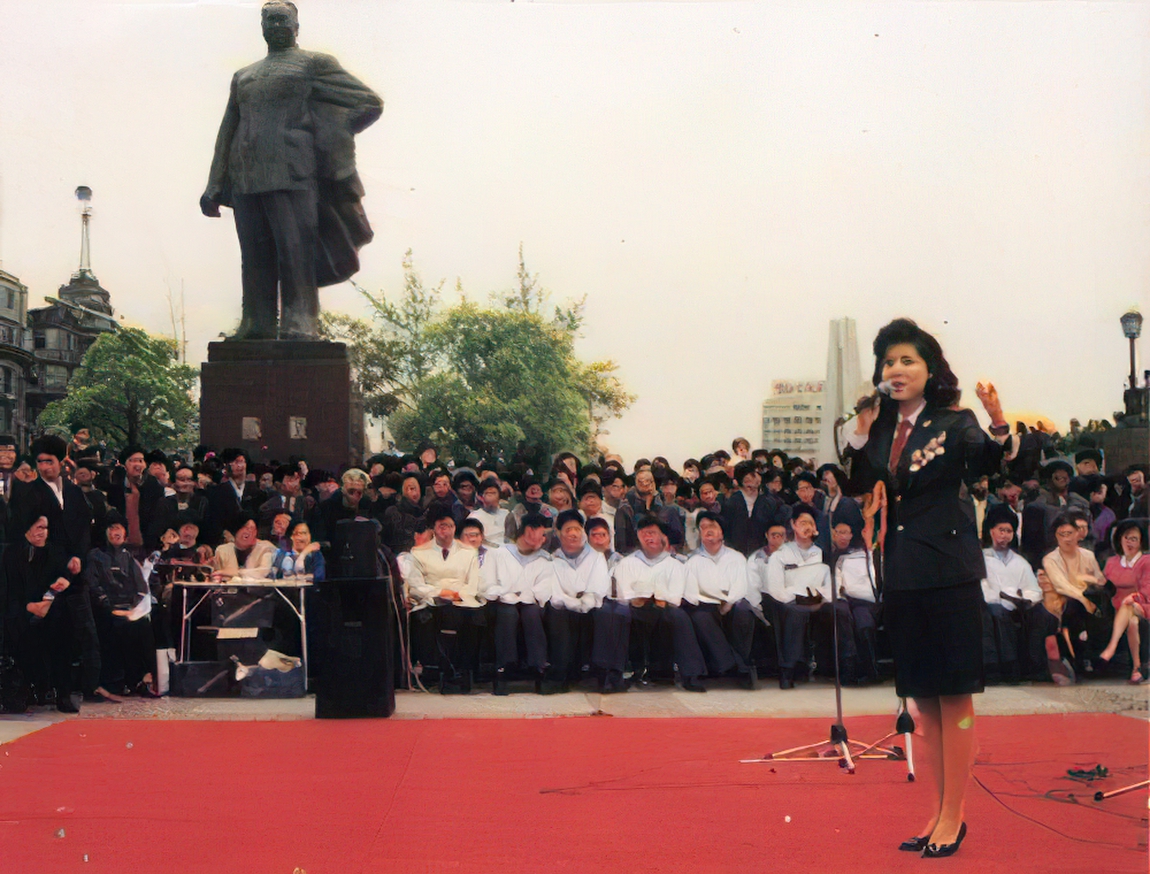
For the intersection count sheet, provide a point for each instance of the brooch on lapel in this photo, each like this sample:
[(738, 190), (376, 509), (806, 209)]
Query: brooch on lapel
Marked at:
[(922, 457)]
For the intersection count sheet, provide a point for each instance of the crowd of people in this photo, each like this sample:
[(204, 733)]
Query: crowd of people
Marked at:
[(590, 572)]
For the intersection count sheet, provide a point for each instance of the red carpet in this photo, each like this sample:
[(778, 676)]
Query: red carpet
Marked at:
[(572, 795)]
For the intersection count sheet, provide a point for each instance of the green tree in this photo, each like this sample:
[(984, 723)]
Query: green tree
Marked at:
[(130, 389), (392, 354), (482, 380)]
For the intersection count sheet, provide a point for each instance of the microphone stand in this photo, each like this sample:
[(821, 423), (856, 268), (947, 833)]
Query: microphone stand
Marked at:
[(839, 748)]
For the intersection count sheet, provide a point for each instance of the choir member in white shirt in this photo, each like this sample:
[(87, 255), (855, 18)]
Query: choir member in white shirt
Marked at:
[(653, 579), (580, 584), (518, 579), (853, 571), (715, 596), (490, 514), (799, 588), (444, 589), (611, 621), (1013, 603)]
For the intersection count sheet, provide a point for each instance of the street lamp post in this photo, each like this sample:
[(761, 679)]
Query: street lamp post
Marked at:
[(1135, 402), (1132, 328)]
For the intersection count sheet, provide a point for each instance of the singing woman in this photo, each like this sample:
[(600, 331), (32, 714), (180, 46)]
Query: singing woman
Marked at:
[(924, 447)]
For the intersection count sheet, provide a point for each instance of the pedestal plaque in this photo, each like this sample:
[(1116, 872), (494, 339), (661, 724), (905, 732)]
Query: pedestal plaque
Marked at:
[(278, 398)]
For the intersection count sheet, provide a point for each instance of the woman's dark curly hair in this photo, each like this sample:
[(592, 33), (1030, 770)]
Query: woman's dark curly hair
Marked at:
[(942, 388)]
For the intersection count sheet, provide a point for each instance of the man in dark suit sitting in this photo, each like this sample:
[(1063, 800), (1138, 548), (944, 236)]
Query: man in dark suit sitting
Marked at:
[(748, 513)]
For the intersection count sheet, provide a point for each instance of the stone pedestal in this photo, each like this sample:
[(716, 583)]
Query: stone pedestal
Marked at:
[(278, 398)]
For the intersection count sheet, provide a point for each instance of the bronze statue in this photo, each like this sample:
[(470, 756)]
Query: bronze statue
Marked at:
[(285, 164)]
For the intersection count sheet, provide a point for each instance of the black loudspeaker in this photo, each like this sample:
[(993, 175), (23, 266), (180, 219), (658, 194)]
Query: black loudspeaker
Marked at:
[(356, 671)]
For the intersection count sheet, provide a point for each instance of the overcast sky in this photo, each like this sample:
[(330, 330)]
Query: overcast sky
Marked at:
[(720, 179)]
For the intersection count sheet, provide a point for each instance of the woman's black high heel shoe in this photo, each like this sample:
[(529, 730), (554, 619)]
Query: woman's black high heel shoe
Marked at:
[(915, 845), (939, 851)]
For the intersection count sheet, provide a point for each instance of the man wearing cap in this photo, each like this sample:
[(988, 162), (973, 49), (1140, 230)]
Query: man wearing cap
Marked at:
[(518, 579), (1013, 599), (439, 492), (715, 596), (653, 580), (490, 514), (580, 583), (443, 578), (1087, 461)]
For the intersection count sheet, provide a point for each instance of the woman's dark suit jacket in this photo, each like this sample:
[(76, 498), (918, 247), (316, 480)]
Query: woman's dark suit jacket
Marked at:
[(931, 537)]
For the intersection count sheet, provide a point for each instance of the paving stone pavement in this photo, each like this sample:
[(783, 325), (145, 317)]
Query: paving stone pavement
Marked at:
[(815, 699)]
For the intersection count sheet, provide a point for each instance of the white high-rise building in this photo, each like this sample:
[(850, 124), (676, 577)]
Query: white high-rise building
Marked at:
[(792, 417), (843, 386)]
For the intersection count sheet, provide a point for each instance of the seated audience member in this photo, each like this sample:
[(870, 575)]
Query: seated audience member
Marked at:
[(289, 497), (406, 516), (757, 567), (517, 578), (1059, 668), (1074, 574), (234, 494), (1039, 514), (37, 628), (246, 552), (465, 485), (599, 537), (852, 569), (443, 579), (654, 579), (439, 493), (278, 534), (186, 500), (560, 495), (579, 584), (492, 517), (806, 487), (301, 556), (1088, 462), (471, 534), (532, 503), (1092, 487), (350, 502), (798, 587), (185, 548), (1013, 599), (591, 503), (618, 512), (1129, 570), (748, 513), (833, 480), (715, 596), (1136, 506), (611, 621), (123, 607)]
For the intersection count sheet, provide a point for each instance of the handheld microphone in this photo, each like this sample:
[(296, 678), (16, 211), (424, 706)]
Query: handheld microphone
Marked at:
[(880, 390)]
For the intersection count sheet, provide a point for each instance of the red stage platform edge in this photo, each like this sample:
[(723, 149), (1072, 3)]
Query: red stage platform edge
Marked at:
[(573, 795)]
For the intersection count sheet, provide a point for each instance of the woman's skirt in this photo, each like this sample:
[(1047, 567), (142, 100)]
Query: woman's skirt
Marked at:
[(936, 639)]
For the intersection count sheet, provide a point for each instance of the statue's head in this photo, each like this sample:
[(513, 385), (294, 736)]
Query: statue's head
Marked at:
[(280, 20)]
